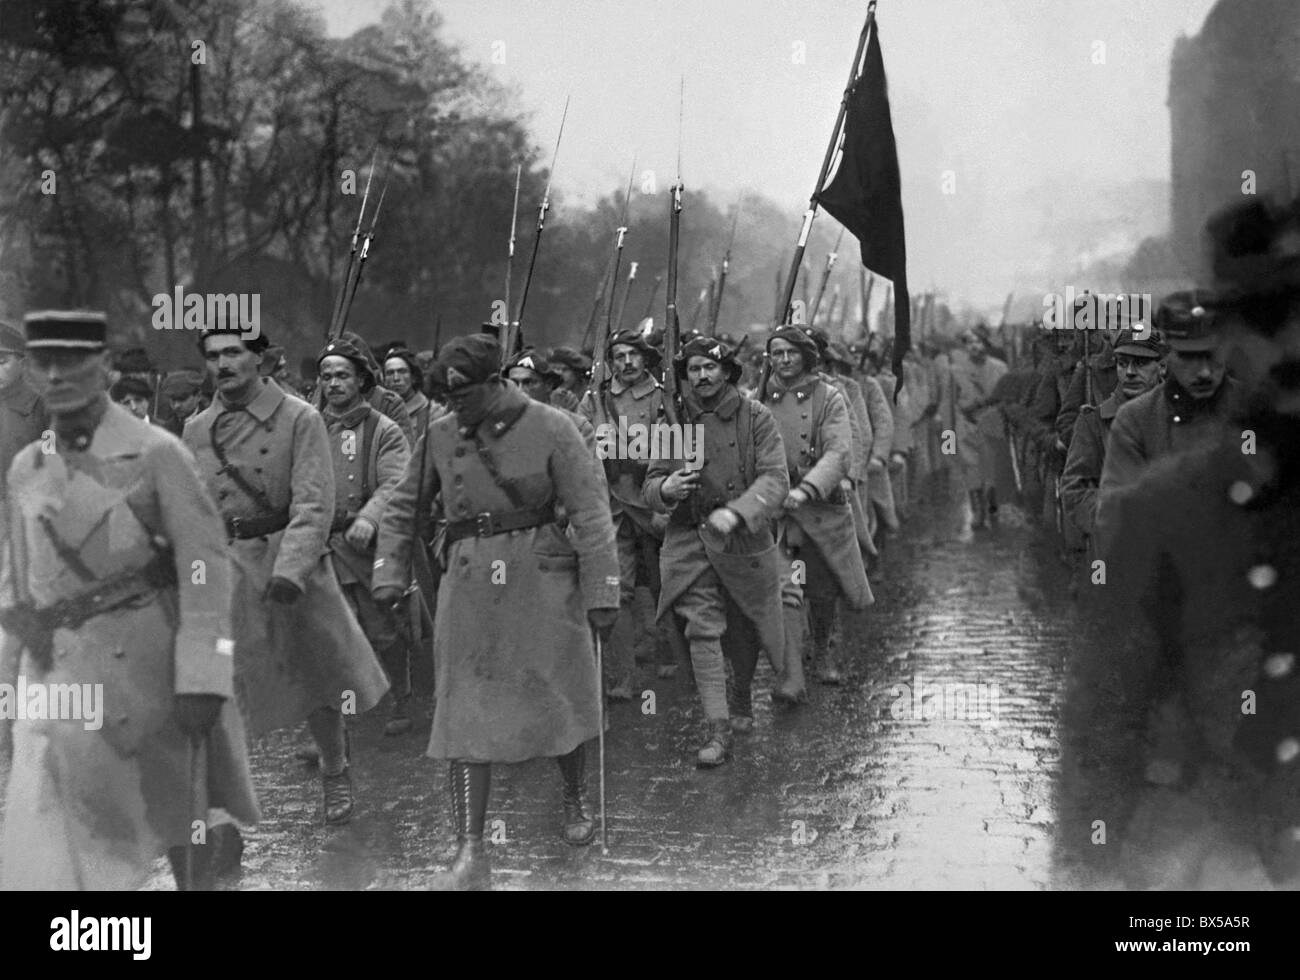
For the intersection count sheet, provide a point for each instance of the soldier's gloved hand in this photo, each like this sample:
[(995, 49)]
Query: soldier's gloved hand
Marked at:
[(387, 596), (360, 533), (281, 590), (195, 714), (795, 499), (602, 621), (680, 484), (724, 520)]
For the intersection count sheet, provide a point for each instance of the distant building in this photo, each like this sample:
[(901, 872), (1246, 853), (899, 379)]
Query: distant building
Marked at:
[(1234, 105)]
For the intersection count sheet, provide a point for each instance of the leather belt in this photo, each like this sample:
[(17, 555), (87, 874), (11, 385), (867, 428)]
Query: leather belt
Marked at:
[(485, 525), (243, 528)]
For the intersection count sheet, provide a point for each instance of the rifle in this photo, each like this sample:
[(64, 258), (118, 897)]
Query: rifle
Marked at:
[(600, 356), (716, 308), (503, 330), (826, 275), (672, 397), (515, 336), (654, 291), (622, 306), (365, 254), (347, 274)]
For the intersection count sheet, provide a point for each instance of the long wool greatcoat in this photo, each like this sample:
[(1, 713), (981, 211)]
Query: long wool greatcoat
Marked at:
[(817, 452), (515, 667), (289, 659), (1202, 590), (91, 809), (750, 478)]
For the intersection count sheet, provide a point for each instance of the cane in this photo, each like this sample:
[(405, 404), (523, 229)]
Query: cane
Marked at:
[(600, 676), (196, 743)]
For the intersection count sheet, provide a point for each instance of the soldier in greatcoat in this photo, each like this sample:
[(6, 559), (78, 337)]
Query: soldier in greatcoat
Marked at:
[(370, 455), (980, 433), (516, 671), (116, 587), (1184, 723), (632, 398), (719, 565), (300, 653), (822, 565)]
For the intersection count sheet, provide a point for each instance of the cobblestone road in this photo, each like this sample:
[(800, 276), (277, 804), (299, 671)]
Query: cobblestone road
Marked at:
[(932, 767)]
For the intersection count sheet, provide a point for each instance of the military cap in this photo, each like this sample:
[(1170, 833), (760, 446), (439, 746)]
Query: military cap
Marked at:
[(11, 339), (714, 350), (631, 338), (1148, 346), (181, 384), (1186, 324), (349, 348), (468, 360), (805, 338), (535, 362), (129, 386), (571, 358), (68, 329), (836, 352)]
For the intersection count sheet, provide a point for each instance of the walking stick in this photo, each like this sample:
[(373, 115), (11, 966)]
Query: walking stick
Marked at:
[(600, 675), (196, 743)]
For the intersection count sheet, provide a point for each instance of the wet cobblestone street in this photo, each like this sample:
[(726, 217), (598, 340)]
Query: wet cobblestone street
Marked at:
[(933, 766)]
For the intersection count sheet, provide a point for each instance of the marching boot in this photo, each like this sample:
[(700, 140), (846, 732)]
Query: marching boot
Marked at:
[(715, 750), (399, 722), (790, 688), (338, 796), (579, 829), (227, 846), (202, 877), (979, 516), (470, 871), (821, 619)]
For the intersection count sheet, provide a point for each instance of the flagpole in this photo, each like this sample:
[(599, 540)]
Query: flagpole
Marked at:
[(783, 309)]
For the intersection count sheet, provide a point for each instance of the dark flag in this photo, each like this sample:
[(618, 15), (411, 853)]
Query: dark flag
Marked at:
[(866, 194)]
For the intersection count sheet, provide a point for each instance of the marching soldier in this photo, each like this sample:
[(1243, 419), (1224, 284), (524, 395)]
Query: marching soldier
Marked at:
[(1203, 588), (387, 402), (1188, 409), (979, 425), (538, 379), (719, 565), (22, 413), (370, 457), (573, 367), (299, 653), (633, 398), (516, 673), (183, 391), (1137, 366), (821, 560), (405, 378), (116, 581)]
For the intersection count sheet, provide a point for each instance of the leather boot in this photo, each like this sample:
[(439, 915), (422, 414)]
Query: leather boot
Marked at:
[(979, 517), (202, 878), (821, 620), (579, 828), (471, 869), (399, 722), (338, 796), (790, 687), (227, 851), (717, 747)]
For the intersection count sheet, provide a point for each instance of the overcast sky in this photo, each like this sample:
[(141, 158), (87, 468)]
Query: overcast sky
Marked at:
[(1005, 93)]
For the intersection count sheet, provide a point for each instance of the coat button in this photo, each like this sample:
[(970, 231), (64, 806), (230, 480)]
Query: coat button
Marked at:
[(1288, 749), (1262, 576), (463, 561), (351, 476), (803, 435), (1178, 418), (264, 450), (804, 415), (458, 480), (1241, 492), (731, 443)]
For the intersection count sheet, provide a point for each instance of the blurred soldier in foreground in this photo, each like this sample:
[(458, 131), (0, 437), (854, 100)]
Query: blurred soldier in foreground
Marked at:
[(300, 653), (821, 561), (117, 588), (516, 672), (719, 563), (370, 457), (1199, 662)]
